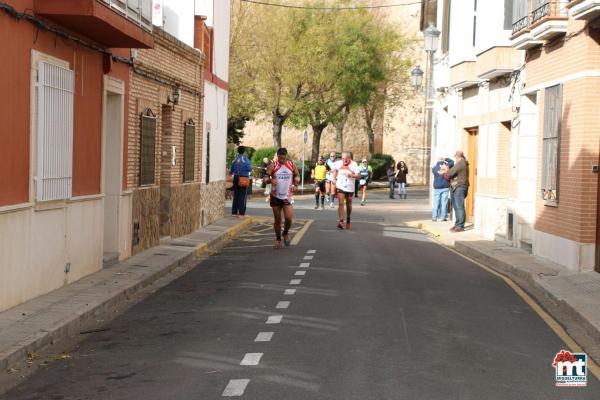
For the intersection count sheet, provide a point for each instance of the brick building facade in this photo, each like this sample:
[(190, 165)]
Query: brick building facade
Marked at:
[(164, 167)]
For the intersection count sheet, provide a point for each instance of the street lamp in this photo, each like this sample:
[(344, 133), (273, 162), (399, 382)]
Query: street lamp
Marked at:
[(431, 37), (416, 77)]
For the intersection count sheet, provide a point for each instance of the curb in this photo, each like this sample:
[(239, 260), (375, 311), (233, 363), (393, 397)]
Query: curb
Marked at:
[(87, 314)]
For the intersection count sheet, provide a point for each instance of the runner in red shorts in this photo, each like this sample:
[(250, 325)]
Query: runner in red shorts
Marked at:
[(344, 175), (284, 179)]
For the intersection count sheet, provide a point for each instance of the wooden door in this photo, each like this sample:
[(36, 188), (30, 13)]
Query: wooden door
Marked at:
[(472, 158)]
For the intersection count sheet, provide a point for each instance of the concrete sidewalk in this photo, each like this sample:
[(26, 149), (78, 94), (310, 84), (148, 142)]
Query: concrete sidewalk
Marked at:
[(86, 304), (576, 295)]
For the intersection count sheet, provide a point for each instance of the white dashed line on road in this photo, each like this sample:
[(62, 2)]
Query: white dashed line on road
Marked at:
[(308, 257), (289, 292), (235, 387), (264, 337), (304, 265), (283, 304), (300, 273), (274, 319), (295, 281), (251, 359), (311, 251)]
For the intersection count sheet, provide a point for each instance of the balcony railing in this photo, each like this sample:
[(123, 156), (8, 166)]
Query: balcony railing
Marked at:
[(137, 11), (549, 9), (520, 24)]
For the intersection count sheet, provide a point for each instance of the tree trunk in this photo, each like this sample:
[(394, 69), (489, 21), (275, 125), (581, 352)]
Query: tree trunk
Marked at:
[(339, 133), (316, 144), (277, 129), (371, 135)]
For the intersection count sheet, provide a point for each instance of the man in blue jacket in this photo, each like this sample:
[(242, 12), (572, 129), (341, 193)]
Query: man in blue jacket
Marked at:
[(441, 188), (241, 169)]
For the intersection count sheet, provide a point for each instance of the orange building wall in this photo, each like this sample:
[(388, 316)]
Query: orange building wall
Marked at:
[(575, 216), (19, 38)]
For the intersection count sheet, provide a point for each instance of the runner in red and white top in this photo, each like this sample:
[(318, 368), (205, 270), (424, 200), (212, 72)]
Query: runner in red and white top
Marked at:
[(284, 179), (345, 174)]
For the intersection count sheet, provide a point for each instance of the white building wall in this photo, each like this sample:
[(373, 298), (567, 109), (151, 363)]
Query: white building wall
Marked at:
[(461, 31), (178, 18), (221, 26), (215, 119), (490, 30)]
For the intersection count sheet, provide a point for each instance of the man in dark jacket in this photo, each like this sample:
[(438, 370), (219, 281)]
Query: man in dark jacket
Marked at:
[(459, 186), (441, 189)]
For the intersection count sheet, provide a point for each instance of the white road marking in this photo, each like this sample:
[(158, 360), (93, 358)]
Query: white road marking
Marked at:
[(290, 292), (283, 304), (304, 265), (308, 257), (251, 359), (295, 281), (264, 337), (235, 387), (311, 252), (274, 319), (300, 273)]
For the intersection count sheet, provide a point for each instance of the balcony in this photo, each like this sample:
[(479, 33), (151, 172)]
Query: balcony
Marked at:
[(542, 21), (463, 75), (496, 62), (584, 9), (112, 23)]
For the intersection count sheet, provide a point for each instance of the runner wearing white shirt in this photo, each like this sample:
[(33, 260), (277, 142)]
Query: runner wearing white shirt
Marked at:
[(284, 179), (344, 174), (329, 181)]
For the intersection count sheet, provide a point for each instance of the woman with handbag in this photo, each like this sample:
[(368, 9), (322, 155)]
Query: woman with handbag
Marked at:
[(240, 169)]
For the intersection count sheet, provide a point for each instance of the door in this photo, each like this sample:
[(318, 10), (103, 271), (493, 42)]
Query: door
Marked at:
[(472, 158), (112, 177)]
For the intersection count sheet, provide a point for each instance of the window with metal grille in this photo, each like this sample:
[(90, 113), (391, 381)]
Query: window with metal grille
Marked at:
[(147, 147), (207, 173), (54, 169), (551, 144), (189, 150)]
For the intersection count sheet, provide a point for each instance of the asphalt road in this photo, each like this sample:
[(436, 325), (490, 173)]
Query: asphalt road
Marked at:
[(376, 312)]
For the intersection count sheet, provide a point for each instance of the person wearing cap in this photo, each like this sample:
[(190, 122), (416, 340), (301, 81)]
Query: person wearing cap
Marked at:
[(284, 179), (319, 174), (366, 173), (329, 181)]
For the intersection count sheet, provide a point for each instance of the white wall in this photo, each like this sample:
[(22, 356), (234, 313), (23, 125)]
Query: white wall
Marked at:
[(490, 25), (178, 17), (221, 26), (461, 31), (215, 113)]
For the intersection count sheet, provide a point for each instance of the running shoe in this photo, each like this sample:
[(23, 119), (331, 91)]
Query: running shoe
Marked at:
[(316, 207), (322, 206), (331, 205), (348, 225), (340, 225), (286, 240), (277, 244), (362, 203)]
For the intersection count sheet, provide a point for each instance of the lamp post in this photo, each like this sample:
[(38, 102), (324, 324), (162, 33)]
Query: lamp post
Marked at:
[(431, 37), (416, 77)]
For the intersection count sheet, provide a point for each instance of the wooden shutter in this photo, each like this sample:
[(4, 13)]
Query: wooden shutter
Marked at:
[(189, 150), (551, 143), (147, 147), (54, 132)]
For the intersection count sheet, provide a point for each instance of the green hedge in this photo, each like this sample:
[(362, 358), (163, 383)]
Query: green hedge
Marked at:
[(380, 162), (261, 153)]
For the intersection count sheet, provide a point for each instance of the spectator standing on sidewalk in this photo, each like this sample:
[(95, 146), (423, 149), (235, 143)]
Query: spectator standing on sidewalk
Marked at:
[(459, 186), (401, 178), (441, 188), (241, 168), (391, 174)]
